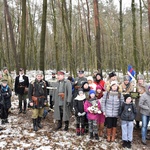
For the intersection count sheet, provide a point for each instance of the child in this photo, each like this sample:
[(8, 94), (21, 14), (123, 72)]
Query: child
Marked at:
[(6, 95), (79, 111), (101, 117), (92, 108), (127, 114), (111, 101)]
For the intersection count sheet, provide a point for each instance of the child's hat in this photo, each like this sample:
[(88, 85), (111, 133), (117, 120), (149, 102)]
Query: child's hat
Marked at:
[(99, 87), (126, 96), (92, 92), (113, 83)]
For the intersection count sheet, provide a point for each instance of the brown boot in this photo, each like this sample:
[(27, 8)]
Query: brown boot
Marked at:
[(108, 134), (113, 134), (101, 128)]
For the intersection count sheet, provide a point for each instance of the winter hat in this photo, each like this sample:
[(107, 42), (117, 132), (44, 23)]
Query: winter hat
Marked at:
[(4, 80), (113, 83), (126, 78), (4, 68), (140, 77), (90, 78), (99, 87), (39, 72), (81, 71), (126, 96), (112, 74), (91, 92), (80, 90), (60, 73)]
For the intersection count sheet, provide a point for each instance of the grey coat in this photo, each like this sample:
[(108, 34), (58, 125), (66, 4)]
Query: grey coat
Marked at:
[(111, 101), (67, 89), (144, 102)]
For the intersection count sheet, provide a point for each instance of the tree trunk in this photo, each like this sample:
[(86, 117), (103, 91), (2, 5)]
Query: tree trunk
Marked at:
[(23, 35), (11, 35), (43, 32), (134, 36), (97, 34), (148, 1)]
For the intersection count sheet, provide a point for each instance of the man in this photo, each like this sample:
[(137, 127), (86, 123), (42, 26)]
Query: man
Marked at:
[(8, 77), (62, 97), (21, 84), (78, 82), (37, 99)]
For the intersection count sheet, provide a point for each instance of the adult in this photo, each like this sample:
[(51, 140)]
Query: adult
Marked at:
[(144, 105), (62, 97), (21, 86), (99, 81), (37, 99), (8, 77)]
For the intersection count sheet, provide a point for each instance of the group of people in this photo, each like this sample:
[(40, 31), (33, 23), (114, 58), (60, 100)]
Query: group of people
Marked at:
[(96, 103)]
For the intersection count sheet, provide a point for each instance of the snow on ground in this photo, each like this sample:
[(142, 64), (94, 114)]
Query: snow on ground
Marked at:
[(18, 135)]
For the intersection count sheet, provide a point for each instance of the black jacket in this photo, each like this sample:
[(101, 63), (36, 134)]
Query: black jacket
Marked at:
[(20, 86), (127, 112)]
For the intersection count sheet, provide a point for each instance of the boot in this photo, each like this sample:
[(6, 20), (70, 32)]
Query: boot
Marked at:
[(108, 134), (25, 106), (96, 136), (124, 144), (128, 144), (66, 125), (113, 134), (91, 135), (59, 125), (39, 122), (82, 131), (6, 121), (101, 128), (3, 121), (35, 124), (78, 131)]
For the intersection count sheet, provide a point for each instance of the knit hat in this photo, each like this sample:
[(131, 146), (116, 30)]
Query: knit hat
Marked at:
[(99, 87), (113, 83), (126, 78), (112, 74), (90, 78), (140, 77), (80, 90), (126, 96), (91, 92)]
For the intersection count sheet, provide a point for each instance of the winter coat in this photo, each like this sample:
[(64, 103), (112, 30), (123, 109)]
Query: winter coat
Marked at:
[(127, 112), (79, 104), (52, 83), (144, 102), (38, 89), (127, 88), (9, 80), (141, 89), (100, 83), (111, 101), (89, 103), (20, 86), (66, 88), (6, 93)]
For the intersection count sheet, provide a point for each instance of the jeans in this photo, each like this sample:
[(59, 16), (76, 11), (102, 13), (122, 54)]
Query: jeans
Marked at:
[(145, 121)]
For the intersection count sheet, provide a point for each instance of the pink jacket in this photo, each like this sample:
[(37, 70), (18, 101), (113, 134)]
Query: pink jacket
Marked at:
[(91, 116)]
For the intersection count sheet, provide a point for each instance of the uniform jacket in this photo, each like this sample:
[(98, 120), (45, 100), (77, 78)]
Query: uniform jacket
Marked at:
[(38, 89), (9, 79), (66, 88), (20, 86)]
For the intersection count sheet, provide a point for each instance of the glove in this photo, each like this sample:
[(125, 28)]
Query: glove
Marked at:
[(82, 114), (79, 114), (68, 104)]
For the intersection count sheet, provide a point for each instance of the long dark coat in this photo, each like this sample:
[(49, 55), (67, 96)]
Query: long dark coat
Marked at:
[(67, 98)]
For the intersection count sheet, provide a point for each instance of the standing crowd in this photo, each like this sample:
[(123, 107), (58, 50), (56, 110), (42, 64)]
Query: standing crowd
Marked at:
[(96, 104)]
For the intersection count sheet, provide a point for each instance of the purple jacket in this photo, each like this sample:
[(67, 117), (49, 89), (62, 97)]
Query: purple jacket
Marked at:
[(87, 104)]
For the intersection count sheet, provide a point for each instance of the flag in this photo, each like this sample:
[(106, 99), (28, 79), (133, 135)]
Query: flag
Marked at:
[(131, 72)]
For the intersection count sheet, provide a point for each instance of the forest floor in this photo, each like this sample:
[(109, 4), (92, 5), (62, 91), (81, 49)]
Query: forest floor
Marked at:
[(18, 134)]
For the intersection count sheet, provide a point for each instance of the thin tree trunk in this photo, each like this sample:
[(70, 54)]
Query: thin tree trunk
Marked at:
[(134, 36), (148, 1)]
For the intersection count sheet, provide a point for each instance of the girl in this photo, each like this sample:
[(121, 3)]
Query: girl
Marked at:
[(92, 108), (111, 101), (127, 114), (79, 111)]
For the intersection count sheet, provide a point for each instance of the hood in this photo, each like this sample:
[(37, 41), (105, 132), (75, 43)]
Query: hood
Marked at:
[(147, 86)]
